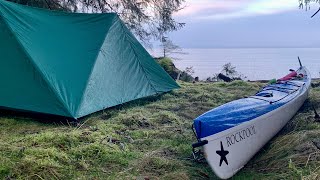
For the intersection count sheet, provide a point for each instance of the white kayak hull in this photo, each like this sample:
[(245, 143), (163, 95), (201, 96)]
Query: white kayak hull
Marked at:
[(228, 151)]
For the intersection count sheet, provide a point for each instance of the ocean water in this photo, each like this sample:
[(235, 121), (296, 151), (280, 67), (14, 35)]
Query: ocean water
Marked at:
[(256, 64)]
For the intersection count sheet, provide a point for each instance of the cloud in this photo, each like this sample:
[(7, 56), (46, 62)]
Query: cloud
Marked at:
[(226, 9), (194, 7), (272, 6)]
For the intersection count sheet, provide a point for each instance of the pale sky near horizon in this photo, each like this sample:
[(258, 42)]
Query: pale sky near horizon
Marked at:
[(247, 23)]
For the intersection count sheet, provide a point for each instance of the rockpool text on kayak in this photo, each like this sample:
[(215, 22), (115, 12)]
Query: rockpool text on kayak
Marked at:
[(240, 135)]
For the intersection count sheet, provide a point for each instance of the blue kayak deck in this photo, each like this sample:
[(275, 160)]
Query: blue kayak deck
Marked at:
[(239, 111)]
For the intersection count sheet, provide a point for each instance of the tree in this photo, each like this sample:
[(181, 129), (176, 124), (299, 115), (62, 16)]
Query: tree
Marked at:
[(169, 48), (146, 18), (307, 3), (229, 69)]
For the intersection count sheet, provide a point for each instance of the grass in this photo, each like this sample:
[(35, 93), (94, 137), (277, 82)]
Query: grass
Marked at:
[(151, 138)]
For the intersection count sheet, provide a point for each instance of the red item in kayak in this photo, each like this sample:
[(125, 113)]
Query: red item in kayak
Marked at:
[(289, 76)]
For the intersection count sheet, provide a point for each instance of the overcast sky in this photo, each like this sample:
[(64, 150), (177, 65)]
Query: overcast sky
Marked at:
[(247, 23)]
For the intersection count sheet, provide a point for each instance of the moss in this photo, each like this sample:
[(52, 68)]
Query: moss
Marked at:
[(169, 67), (166, 64)]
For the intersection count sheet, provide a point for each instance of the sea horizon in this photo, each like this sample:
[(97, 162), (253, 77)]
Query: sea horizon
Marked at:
[(254, 63)]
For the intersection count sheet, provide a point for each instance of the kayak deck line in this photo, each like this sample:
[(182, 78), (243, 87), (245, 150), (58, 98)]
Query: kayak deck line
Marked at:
[(291, 83), (270, 87), (278, 87), (271, 102), (255, 97)]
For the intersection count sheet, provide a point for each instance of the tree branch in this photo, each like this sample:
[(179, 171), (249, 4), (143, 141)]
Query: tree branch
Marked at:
[(315, 13), (48, 4)]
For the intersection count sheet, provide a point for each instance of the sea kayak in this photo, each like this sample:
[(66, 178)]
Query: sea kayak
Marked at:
[(231, 134)]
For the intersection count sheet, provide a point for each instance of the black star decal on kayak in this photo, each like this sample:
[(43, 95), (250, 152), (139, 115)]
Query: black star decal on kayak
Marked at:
[(222, 153)]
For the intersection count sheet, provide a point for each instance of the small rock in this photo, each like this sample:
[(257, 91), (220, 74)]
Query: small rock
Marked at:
[(122, 146), (113, 140), (22, 149), (144, 123), (316, 142), (130, 139), (179, 131), (94, 128), (104, 141), (119, 132), (86, 133)]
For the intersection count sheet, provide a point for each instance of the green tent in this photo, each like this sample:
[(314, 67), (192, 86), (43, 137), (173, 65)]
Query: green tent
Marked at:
[(72, 64)]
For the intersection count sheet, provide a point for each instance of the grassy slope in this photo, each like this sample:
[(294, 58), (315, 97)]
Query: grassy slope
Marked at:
[(150, 138)]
